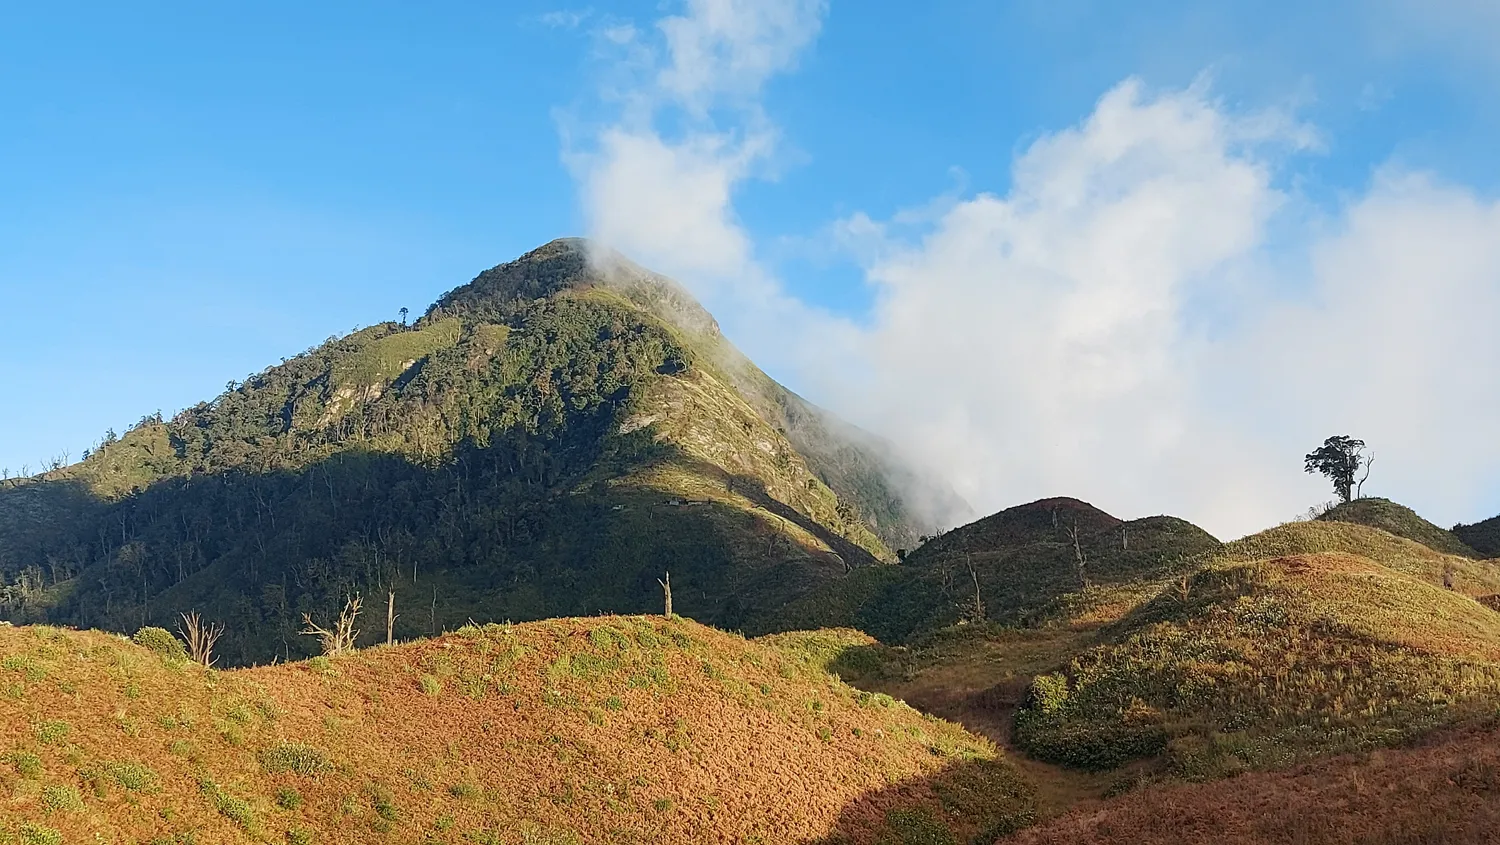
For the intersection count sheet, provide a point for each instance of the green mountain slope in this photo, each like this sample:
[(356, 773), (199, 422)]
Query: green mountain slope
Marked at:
[(1023, 564), (547, 440), (1483, 536), (1401, 521)]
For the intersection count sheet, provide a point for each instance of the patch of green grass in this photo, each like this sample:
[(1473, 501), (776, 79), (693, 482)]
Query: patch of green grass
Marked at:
[(132, 776), (53, 732), (39, 834), (293, 757), (27, 765), (384, 804), (431, 685), (231, 807), (288, 798), (298, 836), (58, 798), (30, 669)]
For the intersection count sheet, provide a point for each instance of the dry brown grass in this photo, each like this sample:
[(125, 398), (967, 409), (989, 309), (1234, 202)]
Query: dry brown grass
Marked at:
[(610, 729)]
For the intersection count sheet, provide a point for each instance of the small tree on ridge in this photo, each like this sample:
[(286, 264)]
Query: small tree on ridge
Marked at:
[(1339, 458)]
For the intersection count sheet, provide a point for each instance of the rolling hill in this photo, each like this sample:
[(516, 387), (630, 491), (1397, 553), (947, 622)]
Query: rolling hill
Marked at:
[(547, 440), (1401, 521), (1022, 563), (610, 729)]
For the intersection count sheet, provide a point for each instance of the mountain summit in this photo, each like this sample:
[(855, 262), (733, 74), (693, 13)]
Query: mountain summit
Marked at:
[(547, 440)]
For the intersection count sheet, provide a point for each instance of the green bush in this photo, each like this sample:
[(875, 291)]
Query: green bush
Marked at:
[(53, 732), (27, 765), (37, 834), (62, 799), (288, 798), (1048, 693), (161, 641), (132, 776)]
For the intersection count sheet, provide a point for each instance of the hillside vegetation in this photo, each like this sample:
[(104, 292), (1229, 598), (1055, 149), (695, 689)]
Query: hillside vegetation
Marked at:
[(547, 440), (1260, 664), (1401, 521), (1022, 565), (611, 729)]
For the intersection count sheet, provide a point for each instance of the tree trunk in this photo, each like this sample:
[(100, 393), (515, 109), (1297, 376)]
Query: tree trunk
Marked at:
[(666, 588), (390, 617)]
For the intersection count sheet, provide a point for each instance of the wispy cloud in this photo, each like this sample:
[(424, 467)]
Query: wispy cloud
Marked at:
[(565, 18)]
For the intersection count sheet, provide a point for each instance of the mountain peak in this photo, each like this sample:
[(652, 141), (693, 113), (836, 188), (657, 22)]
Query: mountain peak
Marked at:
[(576, 264)]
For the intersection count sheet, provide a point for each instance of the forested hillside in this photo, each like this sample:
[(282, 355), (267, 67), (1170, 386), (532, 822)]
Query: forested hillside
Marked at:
[(547, 440)]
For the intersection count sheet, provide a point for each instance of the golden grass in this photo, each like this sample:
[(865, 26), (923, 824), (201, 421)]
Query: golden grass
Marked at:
[(610, 729)]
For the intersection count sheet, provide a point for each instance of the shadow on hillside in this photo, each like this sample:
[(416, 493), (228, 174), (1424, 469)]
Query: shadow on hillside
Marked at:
[(969, 801), (518, 530)]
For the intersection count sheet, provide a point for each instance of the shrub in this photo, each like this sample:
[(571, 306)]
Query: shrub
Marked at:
[(1048, 693), (27, 765), (37, 834), (161, 641), (384, 804), (237, 810), (288, 798), (293, 757), (132, 776), (298, 836), (62, 799), (431, 685), (52, 732)]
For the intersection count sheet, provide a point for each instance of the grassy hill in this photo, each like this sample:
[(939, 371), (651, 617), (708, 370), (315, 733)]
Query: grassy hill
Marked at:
[(1401, 521), (1259, 664), (609, 729), (547, 440), (1025, 562)]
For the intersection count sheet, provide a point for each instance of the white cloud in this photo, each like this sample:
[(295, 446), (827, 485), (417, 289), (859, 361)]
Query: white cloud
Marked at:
[(1111, 327)]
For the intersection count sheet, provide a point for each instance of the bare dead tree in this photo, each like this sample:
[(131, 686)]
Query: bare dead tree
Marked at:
[(340, 639), (976, 607), (200, 637), (1359, 488), (1080, 560), (390, 609), (666, 587)]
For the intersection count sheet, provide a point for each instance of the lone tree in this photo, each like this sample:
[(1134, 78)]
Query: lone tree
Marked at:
[(403, 316), (1339, 458)]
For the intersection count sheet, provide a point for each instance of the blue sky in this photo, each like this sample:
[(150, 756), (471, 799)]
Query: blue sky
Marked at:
[(188, 194)]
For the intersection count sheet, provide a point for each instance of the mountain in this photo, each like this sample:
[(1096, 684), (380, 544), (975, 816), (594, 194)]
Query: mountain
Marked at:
[(607, 729), (549, 439), (1401, 521), (1021, 563), (1483, 537)]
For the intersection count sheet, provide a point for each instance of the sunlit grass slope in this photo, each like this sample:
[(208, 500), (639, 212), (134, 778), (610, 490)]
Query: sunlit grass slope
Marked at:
[(608, 729), (1261, 663)]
